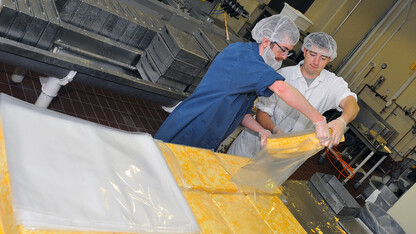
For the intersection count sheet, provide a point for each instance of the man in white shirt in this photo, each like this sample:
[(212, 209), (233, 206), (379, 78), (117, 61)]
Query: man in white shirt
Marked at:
[(323, 89)]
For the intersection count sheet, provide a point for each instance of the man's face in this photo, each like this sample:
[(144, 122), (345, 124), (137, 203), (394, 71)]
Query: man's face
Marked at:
[(280, 50), (314, 62)]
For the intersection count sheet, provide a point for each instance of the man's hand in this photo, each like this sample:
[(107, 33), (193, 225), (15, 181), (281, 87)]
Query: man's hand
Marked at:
[(322, 132), (263, 134), (338, 127)]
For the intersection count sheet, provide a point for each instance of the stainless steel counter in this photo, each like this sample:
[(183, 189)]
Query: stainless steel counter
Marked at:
[(312, 212)]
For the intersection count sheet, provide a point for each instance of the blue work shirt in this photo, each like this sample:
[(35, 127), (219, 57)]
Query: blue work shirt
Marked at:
[(218, 105)]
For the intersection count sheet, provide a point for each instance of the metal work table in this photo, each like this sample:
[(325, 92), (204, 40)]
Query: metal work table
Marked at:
[(313, 213), (373, 145)]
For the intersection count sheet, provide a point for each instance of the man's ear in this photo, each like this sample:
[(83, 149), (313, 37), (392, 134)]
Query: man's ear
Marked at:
[(263, 45)]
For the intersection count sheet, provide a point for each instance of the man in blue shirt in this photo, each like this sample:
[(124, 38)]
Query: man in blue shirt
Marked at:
[(225, 96)]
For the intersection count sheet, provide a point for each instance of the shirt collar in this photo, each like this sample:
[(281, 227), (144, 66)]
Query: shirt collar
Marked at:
[(255, 48), (299, 73)]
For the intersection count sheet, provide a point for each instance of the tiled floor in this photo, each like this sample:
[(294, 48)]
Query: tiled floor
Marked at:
[(123, 112), (90, 103)]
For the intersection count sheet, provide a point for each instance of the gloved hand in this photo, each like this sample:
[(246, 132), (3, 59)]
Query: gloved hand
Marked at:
[(322, 132), (263, 134), (277, 131), (338, 127)]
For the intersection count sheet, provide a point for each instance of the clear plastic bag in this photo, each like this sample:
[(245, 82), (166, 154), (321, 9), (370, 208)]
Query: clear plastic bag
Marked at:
[(378, 220), (282, 156), (70, 174)]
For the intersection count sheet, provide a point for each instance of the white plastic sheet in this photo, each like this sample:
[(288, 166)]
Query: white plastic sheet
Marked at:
[(70, 174)]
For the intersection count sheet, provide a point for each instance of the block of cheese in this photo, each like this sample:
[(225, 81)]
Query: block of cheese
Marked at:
[(241, 216), (232, 163), (298, 142), (206, 212), (294, 143), (276, 214), (201, 169)]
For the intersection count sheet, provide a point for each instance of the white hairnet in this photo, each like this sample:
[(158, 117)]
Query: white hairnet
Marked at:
[(276, 28), (321, 40)]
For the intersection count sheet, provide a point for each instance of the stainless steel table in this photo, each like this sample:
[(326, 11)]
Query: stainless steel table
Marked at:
[(313, 213), (373, 145)]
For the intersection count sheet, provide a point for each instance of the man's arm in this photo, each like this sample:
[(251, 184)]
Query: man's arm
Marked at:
[(265, 120), (350, 110), (250, 123), (296, 100)]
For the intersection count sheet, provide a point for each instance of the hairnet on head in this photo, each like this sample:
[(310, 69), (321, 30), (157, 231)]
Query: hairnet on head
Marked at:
[(321, 40), (276, 28)]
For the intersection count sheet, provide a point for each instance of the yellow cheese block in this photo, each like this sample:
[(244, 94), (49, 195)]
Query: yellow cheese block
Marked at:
[(294, 143), (232, 163), (240, 214), (201, 169), (206, 212), (276, 214)]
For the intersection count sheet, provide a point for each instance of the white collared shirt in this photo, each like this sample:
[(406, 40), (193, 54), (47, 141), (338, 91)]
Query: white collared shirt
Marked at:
[(325, 93)]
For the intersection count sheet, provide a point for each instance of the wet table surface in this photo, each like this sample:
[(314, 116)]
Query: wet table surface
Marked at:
[(309, 207)]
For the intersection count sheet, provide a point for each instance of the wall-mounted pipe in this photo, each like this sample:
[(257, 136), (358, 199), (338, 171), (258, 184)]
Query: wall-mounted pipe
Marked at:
[(349, 77), (354, 79), (378, 37), (18, 75), (384, 44), (346, 18), (363, 45), (401, 89), (50, 88)]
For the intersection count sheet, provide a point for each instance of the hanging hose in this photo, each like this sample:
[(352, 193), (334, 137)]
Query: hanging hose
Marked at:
[(347, 171)]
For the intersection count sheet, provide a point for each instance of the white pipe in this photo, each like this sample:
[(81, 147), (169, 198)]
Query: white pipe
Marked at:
[(349, 77), (384, 44), (345, 19), (401, 89), (358, 85), (18, 75), (378, 37), (356, 53), (354, 79), (50, 88)]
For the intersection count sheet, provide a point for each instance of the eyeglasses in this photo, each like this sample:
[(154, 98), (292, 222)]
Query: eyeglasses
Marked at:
[(285, 52)]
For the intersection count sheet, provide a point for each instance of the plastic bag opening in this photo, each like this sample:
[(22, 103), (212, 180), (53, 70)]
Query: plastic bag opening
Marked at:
[(274, 164)]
